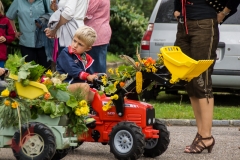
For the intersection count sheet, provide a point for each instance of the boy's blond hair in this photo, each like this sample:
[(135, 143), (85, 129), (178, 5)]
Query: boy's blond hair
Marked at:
[(1, 8), (86, 34)]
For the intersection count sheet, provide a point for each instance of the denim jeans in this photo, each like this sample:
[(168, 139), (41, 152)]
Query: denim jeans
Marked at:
[(2, 63), (200, 44), (99, 54)]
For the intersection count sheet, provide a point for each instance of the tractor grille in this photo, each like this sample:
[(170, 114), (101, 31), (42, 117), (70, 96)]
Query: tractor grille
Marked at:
[(150, 116)]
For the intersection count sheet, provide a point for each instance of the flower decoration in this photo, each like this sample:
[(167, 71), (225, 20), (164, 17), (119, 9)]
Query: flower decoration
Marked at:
[(57, 101), (107, 106), (124, 74)]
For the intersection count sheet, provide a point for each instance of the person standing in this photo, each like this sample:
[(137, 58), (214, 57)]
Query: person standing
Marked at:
[(198, 37), (74, 9), (98, 17), (27, 11), (7, 35)]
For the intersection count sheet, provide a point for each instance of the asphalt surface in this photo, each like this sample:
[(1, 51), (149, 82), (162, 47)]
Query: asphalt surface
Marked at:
[(226, 147)]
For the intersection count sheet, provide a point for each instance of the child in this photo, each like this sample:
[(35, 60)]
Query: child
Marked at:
[(74, 61), (7, 35)]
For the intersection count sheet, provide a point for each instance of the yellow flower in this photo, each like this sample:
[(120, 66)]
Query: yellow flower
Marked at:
[(107, 106), (5, 93), (110, 70), (154, 69), (78, 112), (83, 103), (49, 73), (14, 105), (7, 103), (115, 84), (115, 97), (104, 80), (84, 110)]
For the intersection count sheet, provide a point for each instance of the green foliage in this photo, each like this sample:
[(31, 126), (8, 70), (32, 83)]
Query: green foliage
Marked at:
[(128, 28), (140, 6), (13, 63)]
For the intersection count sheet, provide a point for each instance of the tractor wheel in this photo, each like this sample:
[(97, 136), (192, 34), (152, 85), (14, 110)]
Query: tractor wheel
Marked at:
[(126, 141), (60, 153), (35, 142), (156, 147)]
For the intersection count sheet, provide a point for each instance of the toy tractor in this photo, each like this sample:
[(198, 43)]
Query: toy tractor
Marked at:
[(43, 138), (129, 126)]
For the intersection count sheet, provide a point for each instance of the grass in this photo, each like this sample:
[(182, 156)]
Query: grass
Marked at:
[(226, 107), (113, 58)]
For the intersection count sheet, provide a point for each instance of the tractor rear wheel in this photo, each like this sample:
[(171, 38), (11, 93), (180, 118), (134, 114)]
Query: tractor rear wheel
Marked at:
[(35, 141), (156, 147), (126, 141)]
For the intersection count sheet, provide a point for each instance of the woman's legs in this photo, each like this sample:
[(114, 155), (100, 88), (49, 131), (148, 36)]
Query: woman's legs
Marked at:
[(203, 111)]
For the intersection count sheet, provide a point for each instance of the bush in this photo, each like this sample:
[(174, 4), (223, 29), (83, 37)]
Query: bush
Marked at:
[(128, 28)]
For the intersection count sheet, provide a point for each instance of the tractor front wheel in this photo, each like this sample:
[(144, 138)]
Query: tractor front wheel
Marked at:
[(156, 147), (126, 141)]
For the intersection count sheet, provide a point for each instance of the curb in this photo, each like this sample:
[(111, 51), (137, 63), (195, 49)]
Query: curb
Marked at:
[(192, 122)]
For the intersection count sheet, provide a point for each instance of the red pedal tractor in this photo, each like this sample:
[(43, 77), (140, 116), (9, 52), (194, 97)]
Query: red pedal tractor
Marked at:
[(129, 127)]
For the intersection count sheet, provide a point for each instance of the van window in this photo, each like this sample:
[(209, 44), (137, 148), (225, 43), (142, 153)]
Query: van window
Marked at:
[(165, 14)]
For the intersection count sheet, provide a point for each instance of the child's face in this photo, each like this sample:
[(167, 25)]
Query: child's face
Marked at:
[(78, 46)]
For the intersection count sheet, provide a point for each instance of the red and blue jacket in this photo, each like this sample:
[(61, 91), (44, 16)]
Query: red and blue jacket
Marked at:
[(6, 31)]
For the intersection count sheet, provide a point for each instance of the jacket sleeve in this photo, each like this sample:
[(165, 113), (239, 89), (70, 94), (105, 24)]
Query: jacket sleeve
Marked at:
[(177, 5), (232, 4), (10, 35)]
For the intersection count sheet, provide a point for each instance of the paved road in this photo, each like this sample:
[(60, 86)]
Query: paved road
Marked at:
[(226, 147)]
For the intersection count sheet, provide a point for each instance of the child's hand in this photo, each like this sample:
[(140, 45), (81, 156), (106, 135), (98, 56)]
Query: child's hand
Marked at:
[(91, 77), (2, 71), (2, 39)]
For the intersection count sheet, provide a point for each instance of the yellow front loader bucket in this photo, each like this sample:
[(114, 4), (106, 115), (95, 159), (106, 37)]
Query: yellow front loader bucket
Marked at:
[(181, 66), (32, 91)]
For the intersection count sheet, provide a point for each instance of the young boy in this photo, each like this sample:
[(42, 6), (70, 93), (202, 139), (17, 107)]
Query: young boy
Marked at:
[(76, 62)]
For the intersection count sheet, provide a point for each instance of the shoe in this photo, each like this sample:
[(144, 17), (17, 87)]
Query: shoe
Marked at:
[(196, 137), (198, 148)]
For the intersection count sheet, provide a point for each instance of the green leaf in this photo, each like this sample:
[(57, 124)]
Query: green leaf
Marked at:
[(72, 102)]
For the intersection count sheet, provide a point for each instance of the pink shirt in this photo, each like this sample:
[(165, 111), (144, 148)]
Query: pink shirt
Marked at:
[(98, 17)]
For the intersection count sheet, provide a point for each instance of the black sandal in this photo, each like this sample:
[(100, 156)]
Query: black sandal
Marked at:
[(197, 148)]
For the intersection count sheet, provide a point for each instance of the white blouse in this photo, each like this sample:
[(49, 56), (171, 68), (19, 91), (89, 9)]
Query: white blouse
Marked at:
[(74, 9)]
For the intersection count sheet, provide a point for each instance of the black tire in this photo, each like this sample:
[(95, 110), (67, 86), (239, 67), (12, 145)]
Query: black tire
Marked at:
[(156, 147), (38, 142), (61, 153), (126, 131)]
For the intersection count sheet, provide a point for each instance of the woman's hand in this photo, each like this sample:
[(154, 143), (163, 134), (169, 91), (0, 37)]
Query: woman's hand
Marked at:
[(53, 5), (176, 14), (220, 17), (18, 34), (50, 33)]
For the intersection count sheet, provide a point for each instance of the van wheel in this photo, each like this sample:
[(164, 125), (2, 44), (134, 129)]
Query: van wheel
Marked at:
[(126, 141), (156, 147), (36, 141)]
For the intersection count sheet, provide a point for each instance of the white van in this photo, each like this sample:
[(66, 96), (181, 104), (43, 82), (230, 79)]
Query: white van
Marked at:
[(161, 31)]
